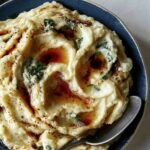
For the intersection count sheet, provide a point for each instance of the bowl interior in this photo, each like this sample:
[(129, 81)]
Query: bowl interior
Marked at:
[(105, 17)]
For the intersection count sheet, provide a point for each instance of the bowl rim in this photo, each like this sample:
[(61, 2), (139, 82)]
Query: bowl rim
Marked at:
[(145, 65)]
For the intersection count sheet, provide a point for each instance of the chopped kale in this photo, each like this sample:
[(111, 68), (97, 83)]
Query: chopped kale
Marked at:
[(109, 57), (103, 45), (32, 67), (95, 87), (40, 148), (48, 147), (78, 42), (105, 77), (75, 119), (49, 24), (68, 29), (70, 24), (112, 69), (22, 117)]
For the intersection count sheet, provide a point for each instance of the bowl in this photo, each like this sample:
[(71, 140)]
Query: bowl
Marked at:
[(12, 8)]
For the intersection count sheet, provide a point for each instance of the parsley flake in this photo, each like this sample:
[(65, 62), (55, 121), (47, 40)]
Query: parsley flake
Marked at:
[(70, 24), (95, 87), (78, 42), (103, 45), (33, 68), (48, 147), (49, 24)]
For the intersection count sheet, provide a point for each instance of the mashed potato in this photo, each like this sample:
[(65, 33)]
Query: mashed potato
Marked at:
[(61, 75)]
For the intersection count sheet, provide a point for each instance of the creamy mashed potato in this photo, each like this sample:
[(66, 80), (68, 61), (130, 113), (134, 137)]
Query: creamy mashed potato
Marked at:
[(61, 75)]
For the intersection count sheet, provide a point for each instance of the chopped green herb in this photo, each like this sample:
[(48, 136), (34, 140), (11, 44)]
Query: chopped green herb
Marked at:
[(68, 30), (34, 68), (78, 118), (75, 119), (78, 42), (22, 117), (48, 147), (40, 148), (105, 77), (99, 53), (109, 56), (10, 37), (71, 25), (95, 87), (49, 24), (103, 45), (78, 122)]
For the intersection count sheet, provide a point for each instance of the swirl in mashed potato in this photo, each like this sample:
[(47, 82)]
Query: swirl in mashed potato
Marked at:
[(61, 75)]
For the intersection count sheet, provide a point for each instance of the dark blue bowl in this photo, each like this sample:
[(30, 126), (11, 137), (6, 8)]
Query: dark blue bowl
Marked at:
[(140, 88)]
